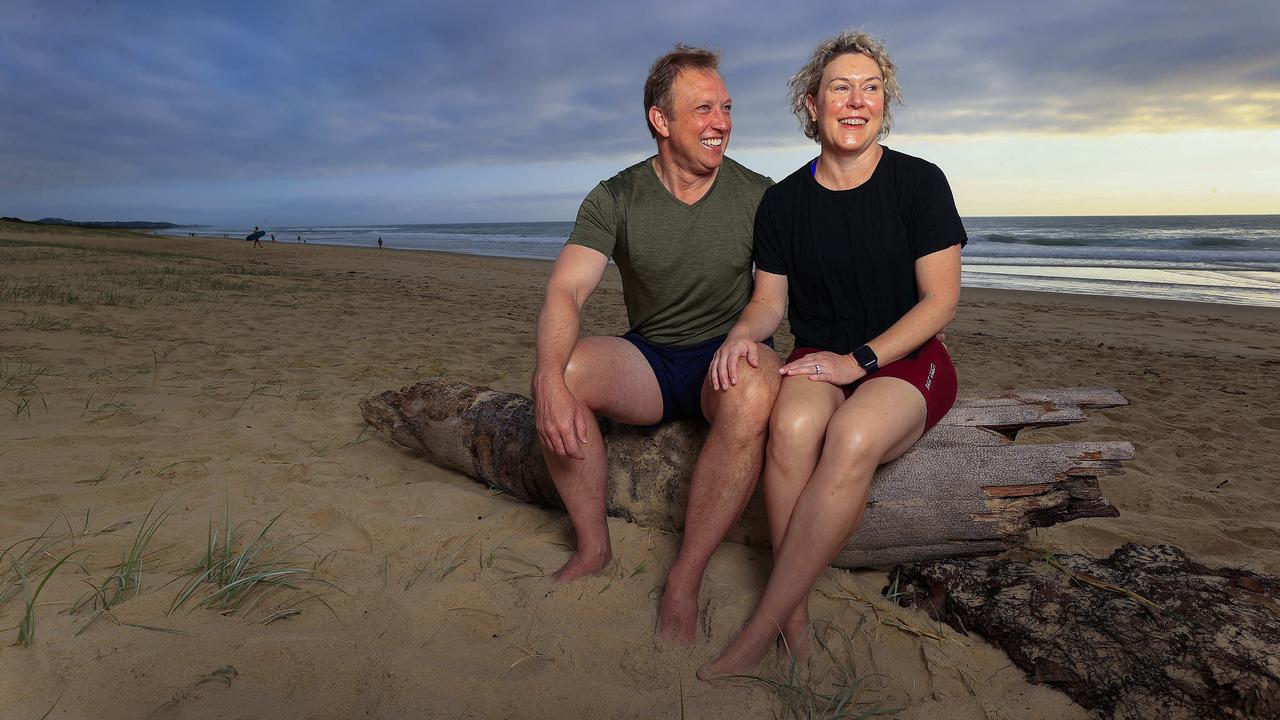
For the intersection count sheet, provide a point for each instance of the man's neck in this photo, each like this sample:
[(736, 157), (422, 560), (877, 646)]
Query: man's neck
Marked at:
[(687, 187)]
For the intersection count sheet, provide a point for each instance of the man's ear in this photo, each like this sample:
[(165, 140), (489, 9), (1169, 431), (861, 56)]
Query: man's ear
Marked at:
[(658, 119)]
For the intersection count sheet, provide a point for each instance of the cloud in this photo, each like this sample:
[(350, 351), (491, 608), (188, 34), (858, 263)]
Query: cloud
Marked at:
[(100, 93)]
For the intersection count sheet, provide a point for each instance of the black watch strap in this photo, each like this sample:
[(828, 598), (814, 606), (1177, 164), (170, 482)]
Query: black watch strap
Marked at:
[(866, 359)]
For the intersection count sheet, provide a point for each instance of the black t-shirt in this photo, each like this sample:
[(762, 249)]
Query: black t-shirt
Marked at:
[(849, 255)]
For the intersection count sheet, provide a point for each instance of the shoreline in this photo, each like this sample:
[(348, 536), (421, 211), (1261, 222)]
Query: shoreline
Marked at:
[(203, 373), (984, 266)]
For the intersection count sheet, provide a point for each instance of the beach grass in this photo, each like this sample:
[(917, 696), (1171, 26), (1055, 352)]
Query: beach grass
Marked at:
[(39, 322), (20, 385), (234, 582), (839, 693), (30, 559), (126, 578)]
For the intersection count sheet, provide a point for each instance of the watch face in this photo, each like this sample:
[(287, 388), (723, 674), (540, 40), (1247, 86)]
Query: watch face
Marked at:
[(866, 358)]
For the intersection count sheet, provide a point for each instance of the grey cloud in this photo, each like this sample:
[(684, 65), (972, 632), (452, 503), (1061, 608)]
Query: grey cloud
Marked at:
[(119, 92)]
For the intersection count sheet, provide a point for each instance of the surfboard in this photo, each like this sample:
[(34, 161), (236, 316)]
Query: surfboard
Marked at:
[(255, 235)]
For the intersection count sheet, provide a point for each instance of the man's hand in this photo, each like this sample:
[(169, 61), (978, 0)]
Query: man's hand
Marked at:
[(825, 367), (724, 364), (558, 418)]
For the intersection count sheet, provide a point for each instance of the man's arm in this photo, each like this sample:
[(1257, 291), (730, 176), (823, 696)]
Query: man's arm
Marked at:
[(577, 272), (759, 319)]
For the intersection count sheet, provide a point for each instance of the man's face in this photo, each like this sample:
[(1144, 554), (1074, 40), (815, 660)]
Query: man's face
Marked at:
[(697, 127)]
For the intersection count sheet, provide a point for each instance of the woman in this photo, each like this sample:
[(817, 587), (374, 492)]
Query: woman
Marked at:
[(864, 244)]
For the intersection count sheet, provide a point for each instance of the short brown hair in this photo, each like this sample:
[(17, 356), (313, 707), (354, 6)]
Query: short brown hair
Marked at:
[(665, 70), (850, 42)]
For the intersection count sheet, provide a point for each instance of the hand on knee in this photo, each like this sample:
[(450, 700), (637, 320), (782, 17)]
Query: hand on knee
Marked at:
[(757, 387)]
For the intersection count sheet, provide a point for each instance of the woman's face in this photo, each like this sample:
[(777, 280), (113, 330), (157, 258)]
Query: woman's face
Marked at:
[(849, 108)]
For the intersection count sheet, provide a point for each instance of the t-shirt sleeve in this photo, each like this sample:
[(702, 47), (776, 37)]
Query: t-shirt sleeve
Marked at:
[(767, 248), (597, 224), (931, 217)]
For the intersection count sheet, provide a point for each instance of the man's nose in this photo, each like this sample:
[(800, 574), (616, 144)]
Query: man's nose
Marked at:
[(720, 120)]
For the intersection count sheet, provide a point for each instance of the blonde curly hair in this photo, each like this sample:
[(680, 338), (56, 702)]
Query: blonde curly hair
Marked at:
[(805, 83)]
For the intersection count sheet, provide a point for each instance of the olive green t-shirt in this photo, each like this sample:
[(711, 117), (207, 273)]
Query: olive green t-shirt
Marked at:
[(686, 269)]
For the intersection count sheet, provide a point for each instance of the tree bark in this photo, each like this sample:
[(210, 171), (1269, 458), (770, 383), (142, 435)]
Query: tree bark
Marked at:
[(1146, 634), (966, 488)]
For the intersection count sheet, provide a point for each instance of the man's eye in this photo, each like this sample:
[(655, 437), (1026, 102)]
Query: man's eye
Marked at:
[(728, 108), (873, 88), (841, 88)]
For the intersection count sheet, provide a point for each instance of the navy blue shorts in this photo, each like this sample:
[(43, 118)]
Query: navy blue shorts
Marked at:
[(681, 371)]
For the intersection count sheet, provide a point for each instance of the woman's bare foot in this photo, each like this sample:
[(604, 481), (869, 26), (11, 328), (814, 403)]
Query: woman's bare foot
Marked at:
[(742, 656), (797, 639), (582, 564)]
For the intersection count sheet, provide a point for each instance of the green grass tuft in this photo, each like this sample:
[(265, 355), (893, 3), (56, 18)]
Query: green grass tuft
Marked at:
[(19, 385), (837, 697), (234, 582), (125, 580)]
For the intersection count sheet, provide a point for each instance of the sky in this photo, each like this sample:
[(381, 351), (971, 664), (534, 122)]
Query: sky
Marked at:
[(312, 113)]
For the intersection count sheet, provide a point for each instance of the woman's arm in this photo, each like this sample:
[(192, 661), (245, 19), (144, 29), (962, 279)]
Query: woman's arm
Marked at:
[(759, 319), (938, 283)]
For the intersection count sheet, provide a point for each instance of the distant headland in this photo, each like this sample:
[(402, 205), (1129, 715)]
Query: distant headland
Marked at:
[(122, 225)]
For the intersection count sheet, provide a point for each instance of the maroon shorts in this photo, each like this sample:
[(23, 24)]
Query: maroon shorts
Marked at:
[(930, 371)]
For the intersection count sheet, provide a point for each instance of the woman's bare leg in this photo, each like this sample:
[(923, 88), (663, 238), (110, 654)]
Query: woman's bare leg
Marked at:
[(796, 428), (882, 419)]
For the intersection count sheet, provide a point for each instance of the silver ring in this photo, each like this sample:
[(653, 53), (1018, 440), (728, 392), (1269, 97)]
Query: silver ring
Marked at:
[(817, 369)]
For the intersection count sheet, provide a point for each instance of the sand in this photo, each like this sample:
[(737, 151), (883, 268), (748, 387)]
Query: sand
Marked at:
[(218, 373)]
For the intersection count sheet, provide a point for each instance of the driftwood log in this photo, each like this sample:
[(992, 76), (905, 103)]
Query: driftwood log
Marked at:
[(1144, 634), (965, 489)]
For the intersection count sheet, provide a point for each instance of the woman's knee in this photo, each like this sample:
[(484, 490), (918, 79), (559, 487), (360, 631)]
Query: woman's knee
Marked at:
[(795, 426), (853, 443)]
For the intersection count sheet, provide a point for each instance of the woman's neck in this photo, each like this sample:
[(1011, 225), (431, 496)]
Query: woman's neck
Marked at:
[(839, 170)]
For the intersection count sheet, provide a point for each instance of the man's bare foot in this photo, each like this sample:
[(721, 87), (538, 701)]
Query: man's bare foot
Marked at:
[(581, 565), (678, 617), (742, 656)]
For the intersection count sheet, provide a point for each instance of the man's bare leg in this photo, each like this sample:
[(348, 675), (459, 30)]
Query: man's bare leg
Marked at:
[(609, 376), (723, 479)]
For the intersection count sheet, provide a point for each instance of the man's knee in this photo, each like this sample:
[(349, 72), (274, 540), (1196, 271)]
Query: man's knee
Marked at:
[(583, 374), (751, 399)]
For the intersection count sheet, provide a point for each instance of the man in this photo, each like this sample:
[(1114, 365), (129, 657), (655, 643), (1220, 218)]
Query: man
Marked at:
[(679, 227)]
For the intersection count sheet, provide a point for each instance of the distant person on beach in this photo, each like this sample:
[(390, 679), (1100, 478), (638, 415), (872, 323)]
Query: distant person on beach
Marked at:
[(678, 226), (863, 244), (379, 242), (273, 237), (255, 236)]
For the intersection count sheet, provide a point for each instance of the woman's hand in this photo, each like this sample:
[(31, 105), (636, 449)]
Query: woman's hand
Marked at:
[(826, 367), (724, 364)]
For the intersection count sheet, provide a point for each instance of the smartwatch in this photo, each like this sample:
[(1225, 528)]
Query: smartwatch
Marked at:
[(866, 359)]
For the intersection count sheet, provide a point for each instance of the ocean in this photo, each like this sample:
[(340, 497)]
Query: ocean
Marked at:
[(1206, 258)]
